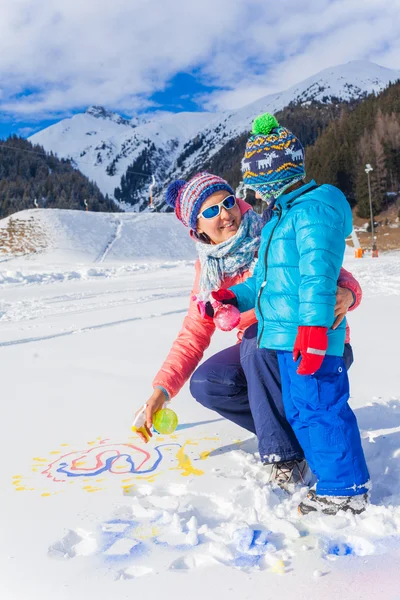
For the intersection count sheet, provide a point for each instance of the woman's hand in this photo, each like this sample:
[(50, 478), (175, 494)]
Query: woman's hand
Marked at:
[(153, 404), (344, 299)]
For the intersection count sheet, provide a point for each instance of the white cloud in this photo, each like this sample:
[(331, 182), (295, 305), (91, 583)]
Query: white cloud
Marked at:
[(67, 54), (306, 40)]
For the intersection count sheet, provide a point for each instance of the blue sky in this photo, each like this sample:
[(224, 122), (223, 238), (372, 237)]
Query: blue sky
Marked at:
[(179, 95), (136, 56)]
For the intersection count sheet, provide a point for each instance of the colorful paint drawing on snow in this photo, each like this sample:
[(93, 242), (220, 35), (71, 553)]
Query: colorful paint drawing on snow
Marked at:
[(117, 459), (104, 458)]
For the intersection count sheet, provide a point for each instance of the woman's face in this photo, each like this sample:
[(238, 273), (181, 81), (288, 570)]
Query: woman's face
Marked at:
[(223, 226)]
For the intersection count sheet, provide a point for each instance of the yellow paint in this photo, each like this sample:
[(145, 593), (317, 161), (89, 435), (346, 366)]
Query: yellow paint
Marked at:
[(16, 476), (46, 494), (95, 489), (205, 454), (127, 488), (141, 430), (101, 479), (64, 444), (80, 463), (126, 480), (34, 469), (150, 478), (87, 487), (55, 452), (20, 489), (146, 532), (213, 439), (91, 443), (40, 459), (185, 464), (278, 567)]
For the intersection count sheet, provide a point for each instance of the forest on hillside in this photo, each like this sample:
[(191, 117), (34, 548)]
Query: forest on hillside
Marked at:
[(27, 173), (370, 134), (340, 140)]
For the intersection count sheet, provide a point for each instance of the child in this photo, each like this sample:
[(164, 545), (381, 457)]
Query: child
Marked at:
[(293, 289)]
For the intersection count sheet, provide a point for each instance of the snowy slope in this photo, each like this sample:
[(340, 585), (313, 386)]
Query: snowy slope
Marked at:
[(84, 238), (103, 145), (88, 511)]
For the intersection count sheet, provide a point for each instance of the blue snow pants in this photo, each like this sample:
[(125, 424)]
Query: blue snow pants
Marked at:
[(243, 384), (326, 427)]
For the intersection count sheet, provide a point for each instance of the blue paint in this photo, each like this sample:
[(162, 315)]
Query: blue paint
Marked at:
[(260, 538), (340, 549), (62, 468), (111, 537), (243, 538), (252, 545), (246, 561), (178, 547)]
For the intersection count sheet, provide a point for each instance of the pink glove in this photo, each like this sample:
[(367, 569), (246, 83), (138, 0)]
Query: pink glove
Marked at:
[(311, 343), (223, 310)]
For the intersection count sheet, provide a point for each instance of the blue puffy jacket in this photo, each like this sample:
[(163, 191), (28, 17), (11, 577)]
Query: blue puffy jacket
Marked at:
[(299, 260)]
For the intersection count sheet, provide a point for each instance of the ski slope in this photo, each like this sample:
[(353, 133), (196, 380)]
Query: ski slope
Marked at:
[(89, 511)]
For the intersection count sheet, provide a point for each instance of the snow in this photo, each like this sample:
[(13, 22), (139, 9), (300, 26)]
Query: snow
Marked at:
[(98, 139), (89, 511), (94, 141)]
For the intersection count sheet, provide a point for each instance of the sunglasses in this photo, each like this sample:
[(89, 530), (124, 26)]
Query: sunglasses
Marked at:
[(213, 211)]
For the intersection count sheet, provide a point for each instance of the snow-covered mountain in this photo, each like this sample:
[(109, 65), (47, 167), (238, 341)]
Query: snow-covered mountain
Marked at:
[(106, 146)]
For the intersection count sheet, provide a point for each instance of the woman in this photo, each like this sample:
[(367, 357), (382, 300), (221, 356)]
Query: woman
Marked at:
[(227, 233)]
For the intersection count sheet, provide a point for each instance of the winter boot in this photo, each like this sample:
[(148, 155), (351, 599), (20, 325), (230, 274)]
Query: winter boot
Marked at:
[(330, 505), (287, 474)]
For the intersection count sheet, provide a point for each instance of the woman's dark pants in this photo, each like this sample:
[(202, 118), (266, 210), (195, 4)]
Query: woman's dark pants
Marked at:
[(242, 383)]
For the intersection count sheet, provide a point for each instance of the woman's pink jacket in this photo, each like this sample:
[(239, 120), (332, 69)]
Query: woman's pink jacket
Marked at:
[(196, 332)]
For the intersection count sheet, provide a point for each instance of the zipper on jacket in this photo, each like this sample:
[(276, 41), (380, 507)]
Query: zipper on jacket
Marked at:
[(264, 283)]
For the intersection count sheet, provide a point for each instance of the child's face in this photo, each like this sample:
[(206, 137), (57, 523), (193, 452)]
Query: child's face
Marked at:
[(223, 226)]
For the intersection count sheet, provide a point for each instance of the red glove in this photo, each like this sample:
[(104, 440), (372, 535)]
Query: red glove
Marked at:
[(207, 309), (311, 343), (225, 297)]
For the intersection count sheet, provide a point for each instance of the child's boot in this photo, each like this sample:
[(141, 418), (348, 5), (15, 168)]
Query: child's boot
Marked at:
[(330, 505)]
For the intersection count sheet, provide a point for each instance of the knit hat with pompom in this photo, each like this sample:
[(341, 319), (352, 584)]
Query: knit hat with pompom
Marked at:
[(274, 158), (187, 197)]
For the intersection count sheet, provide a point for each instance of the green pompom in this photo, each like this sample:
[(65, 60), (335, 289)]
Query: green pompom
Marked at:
[(264, 124)]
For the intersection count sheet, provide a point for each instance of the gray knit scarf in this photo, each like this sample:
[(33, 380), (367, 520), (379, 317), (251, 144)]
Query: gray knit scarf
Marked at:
[(230, 258)]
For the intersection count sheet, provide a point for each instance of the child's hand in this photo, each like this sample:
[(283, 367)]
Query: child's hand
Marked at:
[(153, 404), (311, 344), (344, 299)]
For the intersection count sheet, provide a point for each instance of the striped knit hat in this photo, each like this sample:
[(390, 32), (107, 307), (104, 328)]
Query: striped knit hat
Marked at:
[(274, 158), (187, 197)]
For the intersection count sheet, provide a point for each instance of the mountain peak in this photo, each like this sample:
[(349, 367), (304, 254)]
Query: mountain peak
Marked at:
[(171, 145), (99, 112)]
